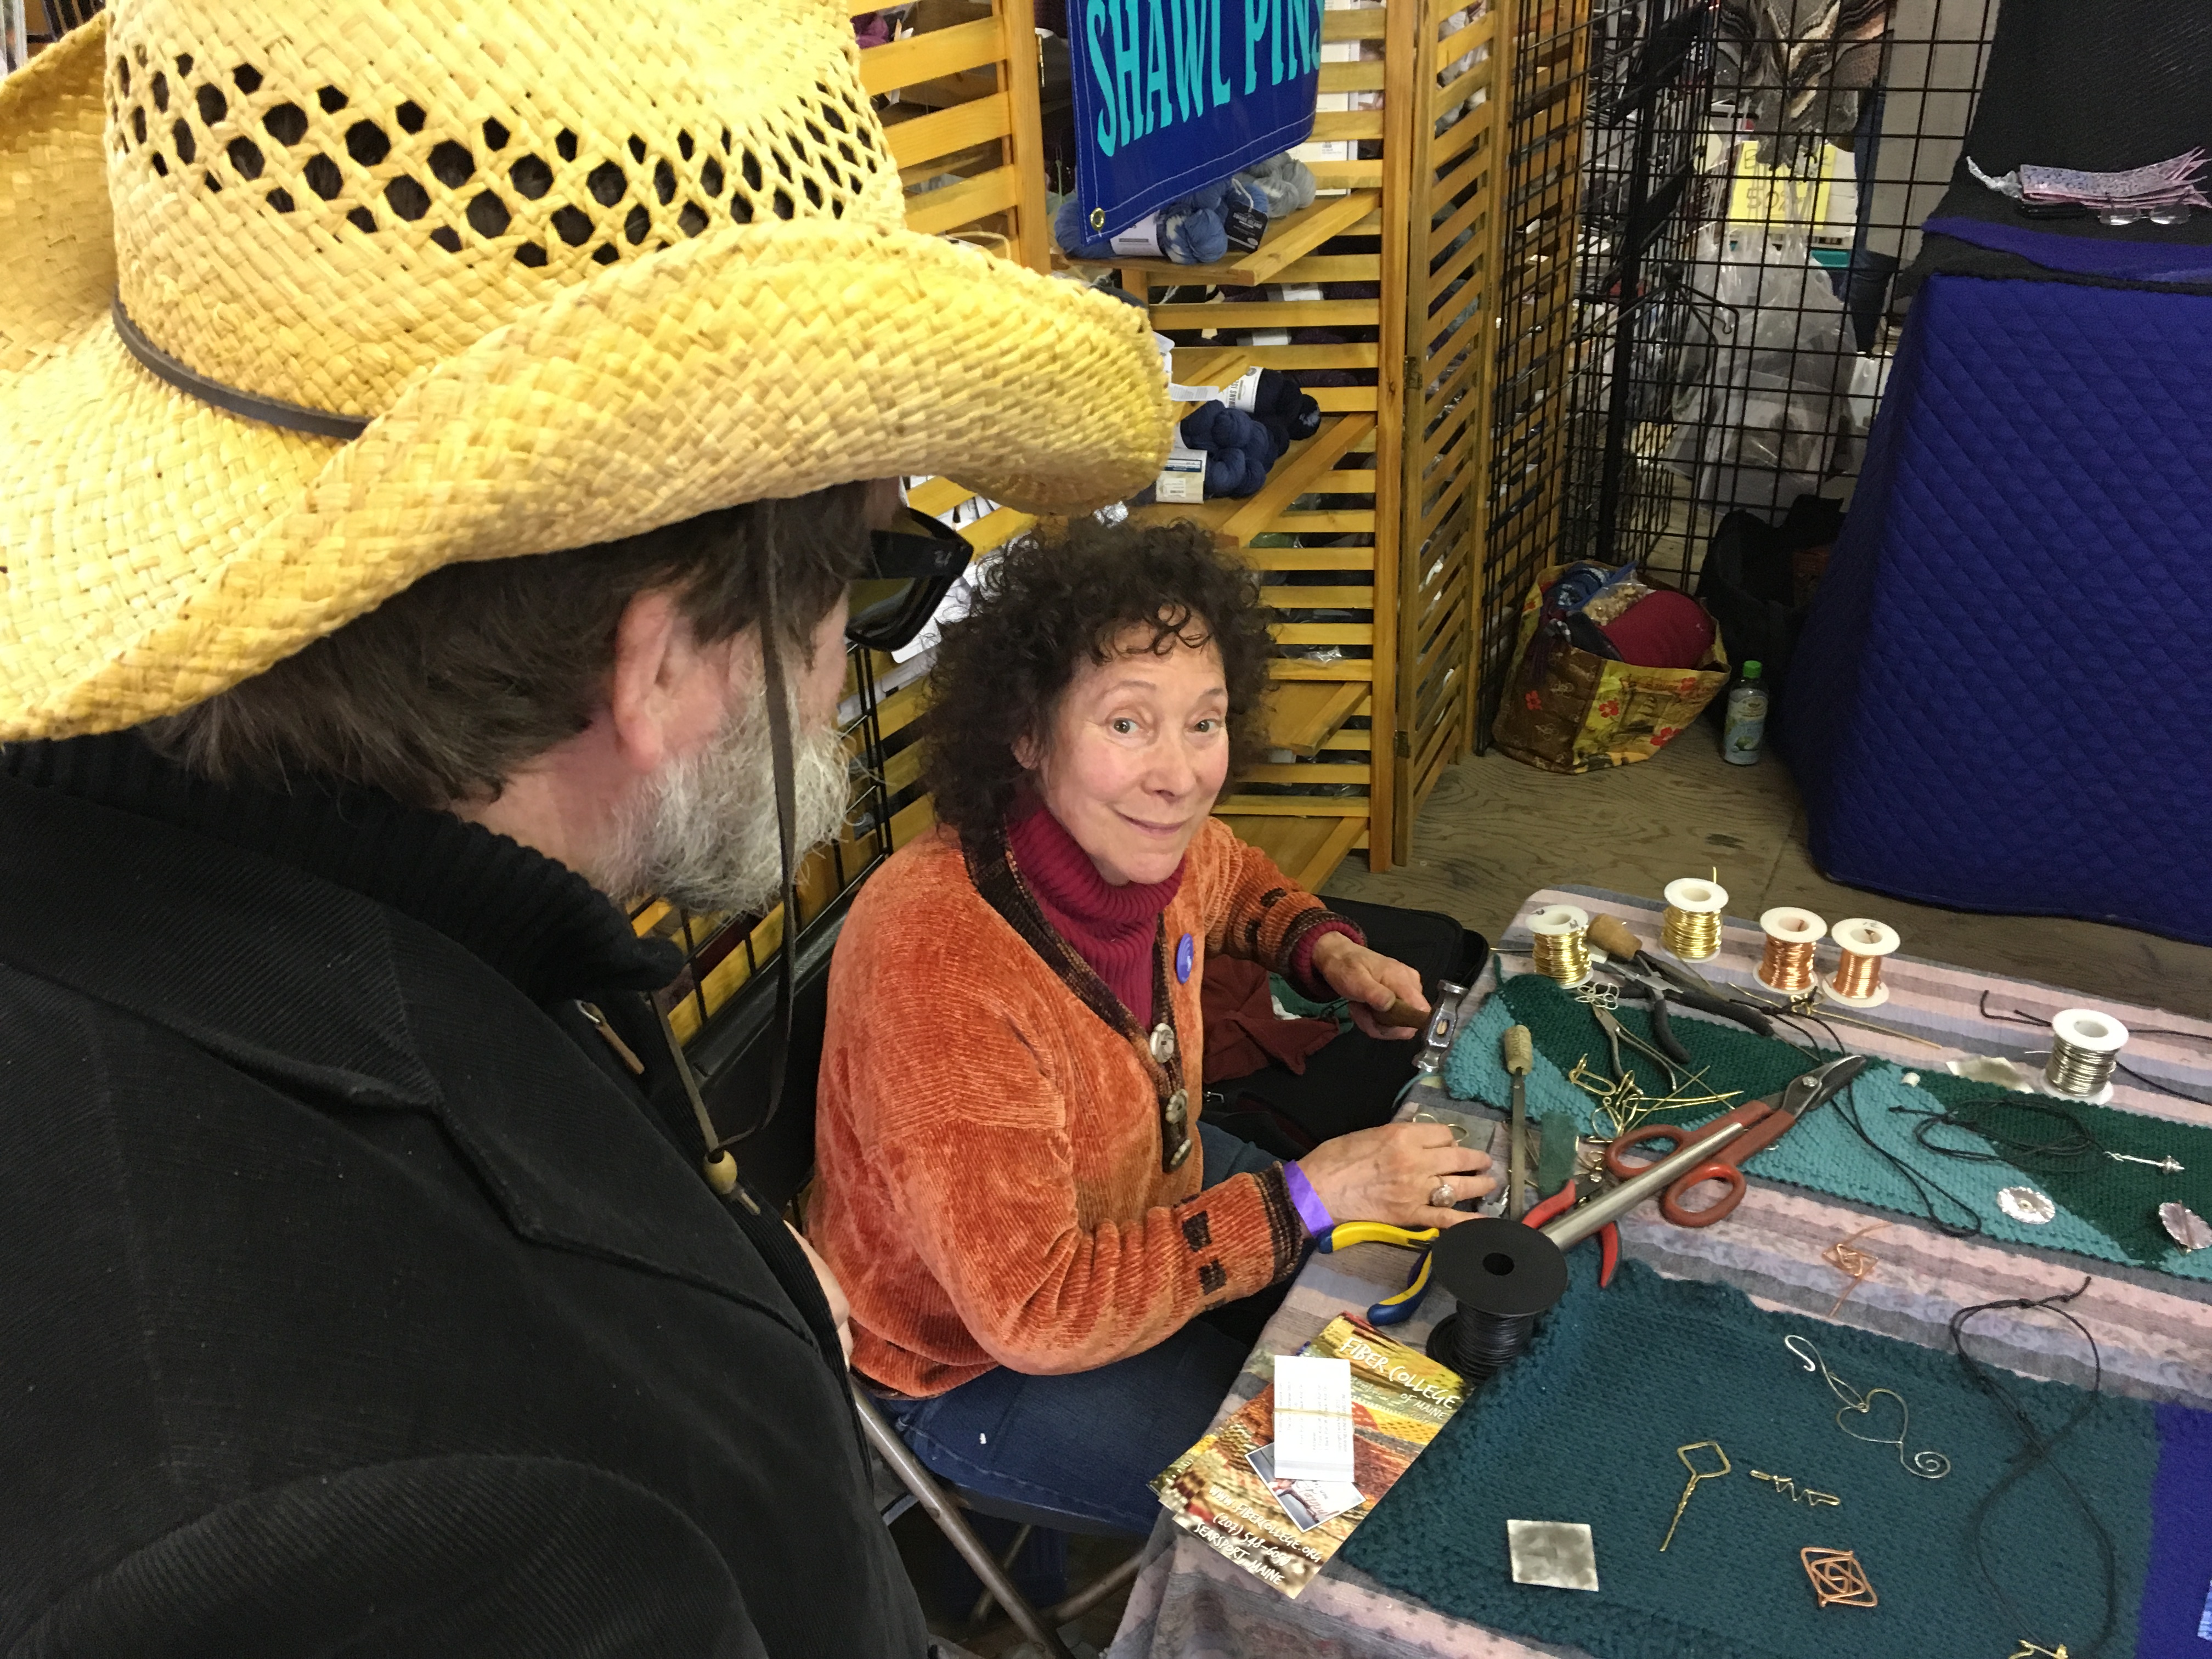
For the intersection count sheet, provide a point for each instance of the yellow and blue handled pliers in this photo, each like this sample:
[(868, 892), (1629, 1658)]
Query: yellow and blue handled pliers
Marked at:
[(1391, 1309)]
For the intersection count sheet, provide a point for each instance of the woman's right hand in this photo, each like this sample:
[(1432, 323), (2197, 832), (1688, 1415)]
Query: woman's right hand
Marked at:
[(1391, 1173)]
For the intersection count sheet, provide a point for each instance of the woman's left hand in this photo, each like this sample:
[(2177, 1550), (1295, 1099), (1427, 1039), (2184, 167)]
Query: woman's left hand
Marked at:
[(1370, 981)]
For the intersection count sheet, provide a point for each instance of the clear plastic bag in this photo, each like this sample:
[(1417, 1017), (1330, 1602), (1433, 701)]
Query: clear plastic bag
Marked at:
[(1768, 419)]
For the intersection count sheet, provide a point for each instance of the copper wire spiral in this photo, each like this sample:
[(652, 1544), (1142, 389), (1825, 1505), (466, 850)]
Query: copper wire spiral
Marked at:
[(1791, 937), (1787, 967), (1691, 935), (1856, 976)]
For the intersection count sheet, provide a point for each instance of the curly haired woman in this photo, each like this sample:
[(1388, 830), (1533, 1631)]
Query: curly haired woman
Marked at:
[(1034, 1227)]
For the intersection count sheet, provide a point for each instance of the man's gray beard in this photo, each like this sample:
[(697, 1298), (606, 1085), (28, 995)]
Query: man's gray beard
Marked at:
[(705, 836)]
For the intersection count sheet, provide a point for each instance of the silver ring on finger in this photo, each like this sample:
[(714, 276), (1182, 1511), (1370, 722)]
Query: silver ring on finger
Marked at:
[(1441, 1199)]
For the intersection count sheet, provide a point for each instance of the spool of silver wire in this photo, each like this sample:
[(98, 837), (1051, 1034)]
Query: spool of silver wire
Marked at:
[(2085, 1046)]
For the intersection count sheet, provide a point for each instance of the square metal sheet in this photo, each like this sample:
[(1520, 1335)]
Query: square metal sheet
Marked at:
[(1555, 1553)]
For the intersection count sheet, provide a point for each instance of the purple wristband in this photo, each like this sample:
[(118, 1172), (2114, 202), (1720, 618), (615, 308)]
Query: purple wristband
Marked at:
[(1307, 1202)]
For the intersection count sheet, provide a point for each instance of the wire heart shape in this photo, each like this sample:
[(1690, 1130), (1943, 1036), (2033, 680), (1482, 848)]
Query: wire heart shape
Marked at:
[(1926, 1464)]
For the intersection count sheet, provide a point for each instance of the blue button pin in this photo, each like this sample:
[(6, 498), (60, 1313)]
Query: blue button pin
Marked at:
[(1186, 954)]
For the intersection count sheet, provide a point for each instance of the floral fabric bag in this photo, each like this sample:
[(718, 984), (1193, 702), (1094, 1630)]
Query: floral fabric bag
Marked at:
[(1570, 710)]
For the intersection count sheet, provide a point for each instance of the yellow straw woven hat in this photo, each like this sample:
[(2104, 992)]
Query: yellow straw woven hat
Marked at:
[(301, 302)]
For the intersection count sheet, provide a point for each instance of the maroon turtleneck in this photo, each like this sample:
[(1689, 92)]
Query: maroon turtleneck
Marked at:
[(1111, 927)]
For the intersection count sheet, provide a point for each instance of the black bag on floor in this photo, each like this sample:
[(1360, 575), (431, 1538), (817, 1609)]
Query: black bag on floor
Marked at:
[(1756, 581)]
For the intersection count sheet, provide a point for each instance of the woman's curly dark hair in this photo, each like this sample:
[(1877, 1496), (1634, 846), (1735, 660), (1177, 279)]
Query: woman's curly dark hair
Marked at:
[(1046, 604)]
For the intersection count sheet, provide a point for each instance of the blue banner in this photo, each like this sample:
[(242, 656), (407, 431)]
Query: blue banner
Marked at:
[(1173, 96)]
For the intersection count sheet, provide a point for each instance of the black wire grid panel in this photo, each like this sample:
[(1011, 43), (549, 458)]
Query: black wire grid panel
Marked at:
[(1754, 176), (1548, 59)]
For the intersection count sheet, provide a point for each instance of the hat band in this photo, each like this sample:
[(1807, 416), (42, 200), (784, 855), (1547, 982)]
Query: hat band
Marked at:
[(228, 399)]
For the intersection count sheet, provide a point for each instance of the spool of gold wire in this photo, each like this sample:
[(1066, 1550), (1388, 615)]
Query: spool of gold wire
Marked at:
[(1791, 934), (1691, 929), (1560, 943), (1857, 978), (2085, 1046)]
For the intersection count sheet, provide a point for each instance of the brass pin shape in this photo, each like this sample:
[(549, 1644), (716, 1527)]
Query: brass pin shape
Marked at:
[(1696, 1475)]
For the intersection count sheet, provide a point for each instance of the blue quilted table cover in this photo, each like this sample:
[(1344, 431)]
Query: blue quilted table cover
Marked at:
[(1997, 703)]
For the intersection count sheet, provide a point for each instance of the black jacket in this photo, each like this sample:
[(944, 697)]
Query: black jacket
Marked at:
[(352, 1299)]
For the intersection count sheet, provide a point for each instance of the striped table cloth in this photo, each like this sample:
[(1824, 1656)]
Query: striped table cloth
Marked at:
[(2154, 1329)]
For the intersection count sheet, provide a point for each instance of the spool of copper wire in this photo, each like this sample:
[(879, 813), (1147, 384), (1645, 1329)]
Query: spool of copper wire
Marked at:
[(2085, 1046), (1691, 929), (1559, 945), (1791, 934), (1857, 978)]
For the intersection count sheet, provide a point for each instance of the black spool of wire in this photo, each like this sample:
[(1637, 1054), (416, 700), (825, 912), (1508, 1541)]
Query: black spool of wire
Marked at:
[(1505, 1277)]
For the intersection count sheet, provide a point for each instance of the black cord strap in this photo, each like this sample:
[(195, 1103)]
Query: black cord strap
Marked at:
[(1845, 1106), (787, 815), (230, 399), (2071, 1147), (2036, 1452)]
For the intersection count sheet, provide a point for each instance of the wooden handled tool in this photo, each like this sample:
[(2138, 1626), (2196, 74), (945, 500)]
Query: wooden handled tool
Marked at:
[(1402, 1012), (1611, 935)]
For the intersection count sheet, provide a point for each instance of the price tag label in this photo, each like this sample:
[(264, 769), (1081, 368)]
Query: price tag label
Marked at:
[(1243, 392), (1312, 1417), (1183, 478), (1140, 241)]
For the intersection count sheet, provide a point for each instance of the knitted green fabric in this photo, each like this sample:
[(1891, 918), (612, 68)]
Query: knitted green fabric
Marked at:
[(2108, 1210), (2122, 1199), (1474, 1069), (1584, 1426)]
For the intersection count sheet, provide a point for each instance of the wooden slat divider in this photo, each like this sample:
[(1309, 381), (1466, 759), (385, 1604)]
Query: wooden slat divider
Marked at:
[(927, 55), (951, 206), (926, 137), (1303, 716)]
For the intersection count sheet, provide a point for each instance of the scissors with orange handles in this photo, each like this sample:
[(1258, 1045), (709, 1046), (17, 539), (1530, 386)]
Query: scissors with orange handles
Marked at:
[(1770, 1120), (1609, 1236)]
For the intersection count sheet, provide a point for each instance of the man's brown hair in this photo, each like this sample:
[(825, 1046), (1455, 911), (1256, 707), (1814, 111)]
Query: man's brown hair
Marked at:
[(443, 691)]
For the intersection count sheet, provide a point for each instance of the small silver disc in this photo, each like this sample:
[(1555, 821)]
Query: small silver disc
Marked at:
[(1164, 1042), (2026, 1204)]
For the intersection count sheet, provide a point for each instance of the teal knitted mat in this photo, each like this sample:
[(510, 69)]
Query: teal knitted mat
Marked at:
[(2107, 1211), (1585, 1425)]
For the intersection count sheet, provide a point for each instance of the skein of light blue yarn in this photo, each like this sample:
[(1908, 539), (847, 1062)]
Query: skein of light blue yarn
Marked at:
[(1068, 230), (1192, 235), (1283, 184)]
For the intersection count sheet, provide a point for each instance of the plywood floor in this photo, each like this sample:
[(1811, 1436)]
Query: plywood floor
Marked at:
[(1495, 830)]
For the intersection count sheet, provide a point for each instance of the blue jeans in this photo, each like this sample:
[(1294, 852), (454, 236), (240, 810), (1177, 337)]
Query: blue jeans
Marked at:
[(1087, 1444)]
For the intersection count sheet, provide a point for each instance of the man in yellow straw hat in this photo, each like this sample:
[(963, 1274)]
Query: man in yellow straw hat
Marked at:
[(434, 437)]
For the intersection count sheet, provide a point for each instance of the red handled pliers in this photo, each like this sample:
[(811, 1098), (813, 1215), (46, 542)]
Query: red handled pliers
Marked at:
[(1609, 1236)]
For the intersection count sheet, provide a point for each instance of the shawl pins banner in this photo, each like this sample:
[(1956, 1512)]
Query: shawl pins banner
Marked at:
[(1173, 96)]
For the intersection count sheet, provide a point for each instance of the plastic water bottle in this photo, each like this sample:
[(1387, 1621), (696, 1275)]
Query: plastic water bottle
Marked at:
[(1744, 728)]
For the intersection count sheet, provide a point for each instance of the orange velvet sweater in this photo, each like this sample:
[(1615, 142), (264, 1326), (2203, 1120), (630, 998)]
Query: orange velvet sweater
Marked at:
[(1005, 1175)]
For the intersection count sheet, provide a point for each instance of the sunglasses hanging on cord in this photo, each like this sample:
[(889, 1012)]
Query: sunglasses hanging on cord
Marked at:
[(911, 567)]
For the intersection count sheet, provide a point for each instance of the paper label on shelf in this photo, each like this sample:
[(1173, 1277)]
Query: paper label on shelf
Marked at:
[(1183, 478), (1312, 1417), (1140, 241), (1243, 392)]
